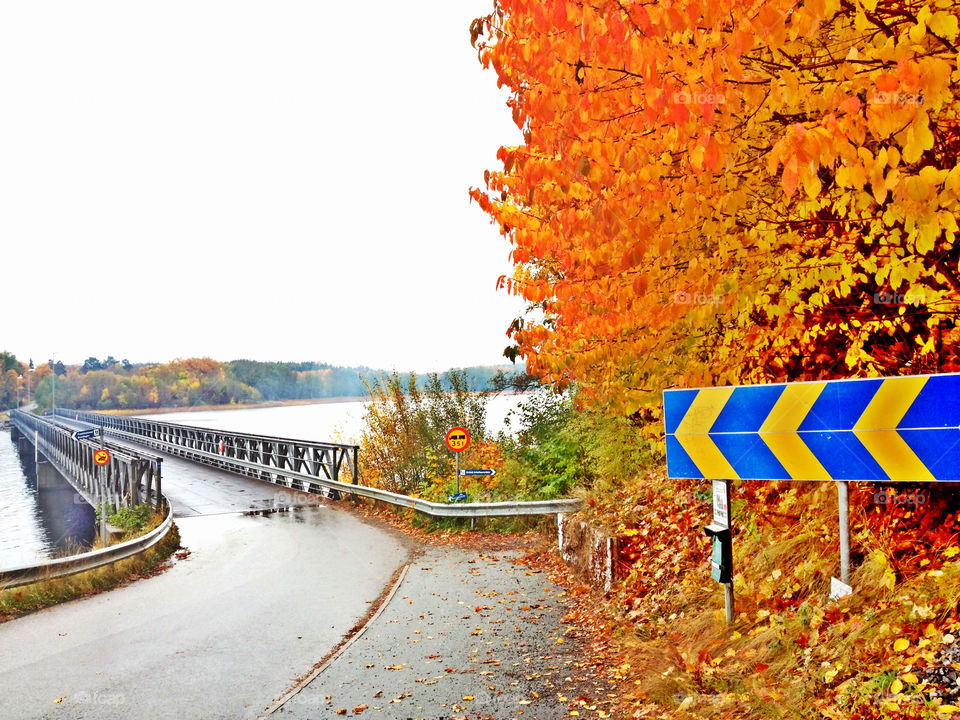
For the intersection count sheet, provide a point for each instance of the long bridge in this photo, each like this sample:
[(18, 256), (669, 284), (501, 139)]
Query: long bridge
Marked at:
[(129, 476), (275, 592)]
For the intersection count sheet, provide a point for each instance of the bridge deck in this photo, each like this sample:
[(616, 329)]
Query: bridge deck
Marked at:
[(195, 489)]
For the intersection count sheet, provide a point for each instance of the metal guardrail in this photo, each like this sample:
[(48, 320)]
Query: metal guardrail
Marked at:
[(297, 464), (59, 567), (127, 480)]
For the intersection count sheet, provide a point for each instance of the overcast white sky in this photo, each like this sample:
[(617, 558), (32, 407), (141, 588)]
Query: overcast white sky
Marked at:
[(268, 180)]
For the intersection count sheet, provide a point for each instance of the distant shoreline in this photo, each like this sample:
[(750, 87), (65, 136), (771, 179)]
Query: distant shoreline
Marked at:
[(240, 406), (268, 404)]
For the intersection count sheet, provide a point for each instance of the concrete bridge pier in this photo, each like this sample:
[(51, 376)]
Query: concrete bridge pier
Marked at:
[(48, 478)]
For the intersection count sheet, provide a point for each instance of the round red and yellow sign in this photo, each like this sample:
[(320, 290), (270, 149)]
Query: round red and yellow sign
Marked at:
[(458, 439), (101, 457)]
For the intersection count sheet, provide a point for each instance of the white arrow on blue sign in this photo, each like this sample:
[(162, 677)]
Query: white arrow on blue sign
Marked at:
[(84, 434), (484, 471)]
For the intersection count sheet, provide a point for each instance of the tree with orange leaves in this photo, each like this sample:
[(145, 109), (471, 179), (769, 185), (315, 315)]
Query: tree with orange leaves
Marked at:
[(713, 192)]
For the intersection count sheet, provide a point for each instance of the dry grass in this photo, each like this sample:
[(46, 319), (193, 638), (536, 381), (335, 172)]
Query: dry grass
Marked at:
[(791, 652)]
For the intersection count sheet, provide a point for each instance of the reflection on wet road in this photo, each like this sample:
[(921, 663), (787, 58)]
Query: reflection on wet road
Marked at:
[(221, 634), (195, 489)]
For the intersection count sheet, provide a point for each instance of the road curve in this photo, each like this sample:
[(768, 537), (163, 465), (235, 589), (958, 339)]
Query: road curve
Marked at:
[(223, 632)]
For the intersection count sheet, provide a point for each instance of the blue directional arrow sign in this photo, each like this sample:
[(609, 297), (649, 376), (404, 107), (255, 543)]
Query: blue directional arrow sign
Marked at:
[(484, 471), (880, 429), (84, 434)]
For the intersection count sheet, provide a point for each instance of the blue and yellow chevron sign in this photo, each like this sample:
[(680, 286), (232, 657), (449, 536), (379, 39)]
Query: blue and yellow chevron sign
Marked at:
[(881, 429)]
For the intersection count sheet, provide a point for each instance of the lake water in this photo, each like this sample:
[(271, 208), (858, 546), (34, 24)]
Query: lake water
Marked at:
[(21, 532), (38, 519), (332, 421), (35, 524)]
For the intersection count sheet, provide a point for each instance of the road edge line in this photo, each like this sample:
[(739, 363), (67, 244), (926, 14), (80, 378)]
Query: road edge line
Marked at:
[(338, 652)]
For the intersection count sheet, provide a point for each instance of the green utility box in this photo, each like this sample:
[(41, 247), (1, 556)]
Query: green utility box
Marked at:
[(721, 559)]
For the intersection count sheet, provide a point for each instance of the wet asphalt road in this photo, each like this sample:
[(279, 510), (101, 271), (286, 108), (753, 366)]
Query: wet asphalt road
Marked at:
[(195, 489), (223, 632), (466, 635)]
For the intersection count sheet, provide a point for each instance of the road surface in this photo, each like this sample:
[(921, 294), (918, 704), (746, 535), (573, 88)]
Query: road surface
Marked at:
[(224, 631)]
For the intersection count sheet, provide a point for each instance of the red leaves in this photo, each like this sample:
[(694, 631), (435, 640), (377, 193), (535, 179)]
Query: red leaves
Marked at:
[(922, 521)]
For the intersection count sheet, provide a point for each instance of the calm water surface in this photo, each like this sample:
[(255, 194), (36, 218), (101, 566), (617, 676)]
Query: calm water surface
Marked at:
[(334, 422), (37, 520)]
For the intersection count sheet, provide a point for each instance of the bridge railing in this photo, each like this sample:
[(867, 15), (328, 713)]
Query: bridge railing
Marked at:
[(128, 479), (297, 464)]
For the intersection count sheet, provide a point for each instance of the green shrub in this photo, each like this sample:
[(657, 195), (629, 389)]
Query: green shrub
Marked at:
[(130, 520), (558, 448)]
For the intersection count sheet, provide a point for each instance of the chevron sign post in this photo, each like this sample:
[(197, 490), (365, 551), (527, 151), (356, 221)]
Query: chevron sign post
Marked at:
[(875, 429), (871, 429)]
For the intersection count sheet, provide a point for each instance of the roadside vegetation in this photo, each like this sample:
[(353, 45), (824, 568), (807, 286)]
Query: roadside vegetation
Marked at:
[(36, 596), (134, 521), (886, 651), (720, 194), (711, 195)]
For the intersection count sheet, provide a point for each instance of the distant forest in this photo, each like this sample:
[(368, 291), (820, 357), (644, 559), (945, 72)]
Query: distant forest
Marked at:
[(113, 384)]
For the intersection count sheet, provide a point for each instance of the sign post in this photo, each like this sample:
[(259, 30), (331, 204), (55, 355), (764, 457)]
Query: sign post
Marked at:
[(866, 429), (721, 559), (840, 588), (101, 457), (457, 440)]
